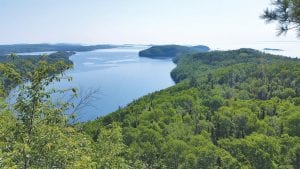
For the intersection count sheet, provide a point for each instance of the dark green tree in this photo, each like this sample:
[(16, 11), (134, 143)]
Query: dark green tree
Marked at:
[(286, 13)]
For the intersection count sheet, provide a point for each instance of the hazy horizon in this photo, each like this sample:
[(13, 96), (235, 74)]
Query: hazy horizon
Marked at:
[(136, 22)]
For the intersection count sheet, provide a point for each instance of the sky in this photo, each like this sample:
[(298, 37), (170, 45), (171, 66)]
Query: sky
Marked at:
[(136, 22)]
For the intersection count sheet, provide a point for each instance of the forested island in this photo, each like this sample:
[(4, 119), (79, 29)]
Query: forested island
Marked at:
[(171, 51)]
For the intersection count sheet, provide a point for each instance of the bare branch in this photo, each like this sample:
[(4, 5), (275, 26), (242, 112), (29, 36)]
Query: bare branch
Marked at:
[(84, 99)]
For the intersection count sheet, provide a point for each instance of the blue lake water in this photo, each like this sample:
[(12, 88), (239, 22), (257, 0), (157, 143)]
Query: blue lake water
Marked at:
[(119, 75)]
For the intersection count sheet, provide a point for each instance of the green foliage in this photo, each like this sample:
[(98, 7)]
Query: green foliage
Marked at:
[(39, 136), (257, 151), (36, 133), (233, 109), (8, 79), (109, 148), (293, 124)]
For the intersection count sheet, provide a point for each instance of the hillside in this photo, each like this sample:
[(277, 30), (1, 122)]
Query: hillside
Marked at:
[(171, 51), (230, 109)]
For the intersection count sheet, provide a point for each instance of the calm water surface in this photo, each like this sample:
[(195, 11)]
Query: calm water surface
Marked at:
[(120, 76)]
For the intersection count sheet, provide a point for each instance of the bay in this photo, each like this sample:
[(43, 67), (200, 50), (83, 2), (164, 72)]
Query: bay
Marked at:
[(119, 75)]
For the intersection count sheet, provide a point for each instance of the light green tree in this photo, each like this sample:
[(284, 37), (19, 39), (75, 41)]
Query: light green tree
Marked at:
[(36, 134)]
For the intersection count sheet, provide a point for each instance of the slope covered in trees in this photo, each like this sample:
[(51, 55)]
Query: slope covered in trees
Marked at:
[(171, 51), (232, 109)]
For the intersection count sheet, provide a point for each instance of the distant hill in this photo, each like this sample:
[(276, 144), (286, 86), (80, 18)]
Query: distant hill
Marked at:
[(26, 48), (171, 51)]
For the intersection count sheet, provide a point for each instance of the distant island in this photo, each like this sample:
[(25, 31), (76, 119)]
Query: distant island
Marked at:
[(273, 49), (27, 48), (171, 51)]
